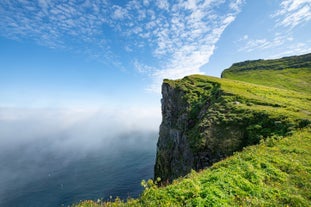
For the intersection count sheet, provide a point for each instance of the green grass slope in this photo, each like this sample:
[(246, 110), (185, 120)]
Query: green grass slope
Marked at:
[(258, 111), (273, 173), (292, 73), (276, 172)]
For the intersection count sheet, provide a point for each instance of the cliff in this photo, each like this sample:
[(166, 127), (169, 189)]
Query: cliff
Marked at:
[(206, 119), (189, 138)]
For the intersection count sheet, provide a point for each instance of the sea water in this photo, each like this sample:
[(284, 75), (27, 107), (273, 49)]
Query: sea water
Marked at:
[(34, 177), (58, 159)]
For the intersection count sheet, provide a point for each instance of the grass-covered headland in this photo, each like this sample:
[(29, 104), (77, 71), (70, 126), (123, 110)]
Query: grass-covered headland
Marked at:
[(271, 107)]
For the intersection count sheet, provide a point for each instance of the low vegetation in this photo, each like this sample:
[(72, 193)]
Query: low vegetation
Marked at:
[(277, 172), (257, 111), (291, 73)]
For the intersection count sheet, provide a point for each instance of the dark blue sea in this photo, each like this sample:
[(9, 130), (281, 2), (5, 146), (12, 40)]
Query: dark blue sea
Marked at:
[(57, 164), (37, 178)]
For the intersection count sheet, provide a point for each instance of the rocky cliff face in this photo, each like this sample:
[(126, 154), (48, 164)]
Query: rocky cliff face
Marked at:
[(174, 156), (202, 124), (189, 137)]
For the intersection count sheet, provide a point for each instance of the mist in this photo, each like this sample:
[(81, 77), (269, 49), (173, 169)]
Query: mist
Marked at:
[(41, 146)]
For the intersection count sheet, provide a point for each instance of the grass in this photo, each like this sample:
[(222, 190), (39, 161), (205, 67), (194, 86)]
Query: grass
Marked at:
[(257, 111), (290, 79), (291, 73), (252, 96), (276, 172)]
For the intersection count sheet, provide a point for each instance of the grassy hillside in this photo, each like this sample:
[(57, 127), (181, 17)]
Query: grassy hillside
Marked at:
[(258, 111), (292, 73), (276, 172), (217, 117)]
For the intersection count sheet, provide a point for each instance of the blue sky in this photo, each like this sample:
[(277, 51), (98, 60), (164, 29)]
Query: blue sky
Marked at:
[(108, 54)]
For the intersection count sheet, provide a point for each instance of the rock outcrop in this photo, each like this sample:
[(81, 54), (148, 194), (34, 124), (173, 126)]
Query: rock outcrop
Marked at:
[(190, 137), (202, 124), (174, 156)]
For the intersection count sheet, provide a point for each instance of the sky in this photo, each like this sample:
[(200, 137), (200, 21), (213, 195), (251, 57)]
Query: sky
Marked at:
[(114, 54)]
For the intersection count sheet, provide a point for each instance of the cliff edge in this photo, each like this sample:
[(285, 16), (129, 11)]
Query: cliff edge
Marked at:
[(189, 138), (206, 119)]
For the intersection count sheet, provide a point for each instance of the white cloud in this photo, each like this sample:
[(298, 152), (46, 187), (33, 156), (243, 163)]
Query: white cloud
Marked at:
[(142, 68), (180, 36), (236, 5), (293, 13), (294, 49), (119, 13), (54, 24), (162, 4), (282, 37), (146, 2), (19, 126), (260, 44), (185, 39), (44, 4)]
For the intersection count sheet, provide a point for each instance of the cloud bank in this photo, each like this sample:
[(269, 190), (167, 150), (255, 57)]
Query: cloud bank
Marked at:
[(40, 146), (72, 130)]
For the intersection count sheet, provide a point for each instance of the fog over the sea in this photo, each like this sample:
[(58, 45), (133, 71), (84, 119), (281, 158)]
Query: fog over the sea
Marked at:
[(38, 143)]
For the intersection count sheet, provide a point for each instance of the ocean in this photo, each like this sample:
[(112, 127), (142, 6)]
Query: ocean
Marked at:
[(48, 180), (49, 162)]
